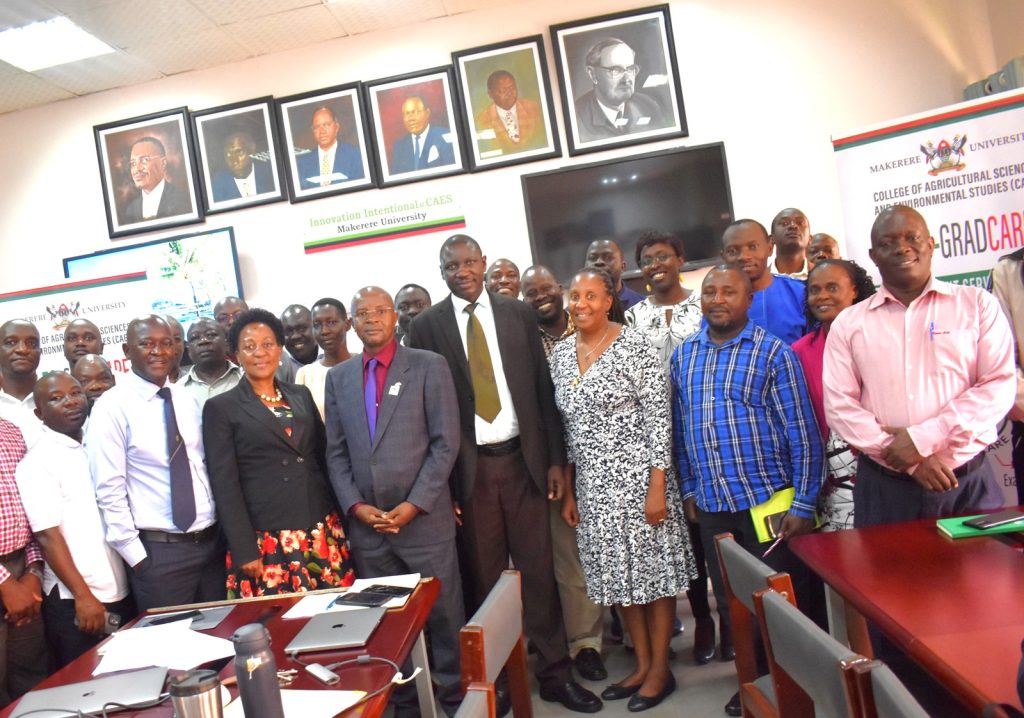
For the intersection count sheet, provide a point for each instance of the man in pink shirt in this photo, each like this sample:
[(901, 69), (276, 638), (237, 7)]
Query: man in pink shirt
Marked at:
[(917, 378)]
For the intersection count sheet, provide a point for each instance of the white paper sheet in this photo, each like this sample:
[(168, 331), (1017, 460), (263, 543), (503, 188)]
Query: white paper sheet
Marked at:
[(172, 645), (306, 704), (318, 603)]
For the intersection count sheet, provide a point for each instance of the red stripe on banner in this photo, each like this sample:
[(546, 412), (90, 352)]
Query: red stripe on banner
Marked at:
[(396, 235), (74, 285)]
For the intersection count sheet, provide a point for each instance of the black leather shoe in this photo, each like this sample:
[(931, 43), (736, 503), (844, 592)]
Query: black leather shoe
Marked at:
[(615, 692), (573, 696), (640, 702), (704, 641), (589, 665), (726, 652), (734, 707), (502, 701)]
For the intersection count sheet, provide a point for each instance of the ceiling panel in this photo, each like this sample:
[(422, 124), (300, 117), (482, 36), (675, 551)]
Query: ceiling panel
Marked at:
[(17, 13), (20, 89), (100, 73), (366, 15), (286, 30), (223, 12), (456, 6)]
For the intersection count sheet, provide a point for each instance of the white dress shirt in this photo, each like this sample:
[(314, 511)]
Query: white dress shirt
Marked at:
[(56, 491), (127, 446), (151, 200), (506, 424), (247, 185)]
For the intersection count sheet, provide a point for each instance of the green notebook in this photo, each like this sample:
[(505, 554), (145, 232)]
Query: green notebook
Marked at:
[(954, 527)]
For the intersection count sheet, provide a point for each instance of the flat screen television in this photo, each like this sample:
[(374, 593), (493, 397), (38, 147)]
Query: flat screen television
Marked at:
[(187, 273), (681, 191)]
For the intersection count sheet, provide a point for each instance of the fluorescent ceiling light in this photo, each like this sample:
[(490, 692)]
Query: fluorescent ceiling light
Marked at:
[(45, 44)]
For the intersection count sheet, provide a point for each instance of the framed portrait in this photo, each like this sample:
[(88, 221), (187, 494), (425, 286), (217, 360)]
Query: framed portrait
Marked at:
[(325, 142), (147, 169), (238, 157), (619, 79), (415, 133), (505, 99)]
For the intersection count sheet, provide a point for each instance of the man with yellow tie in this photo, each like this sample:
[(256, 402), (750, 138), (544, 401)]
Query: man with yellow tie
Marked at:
[(332, 162)]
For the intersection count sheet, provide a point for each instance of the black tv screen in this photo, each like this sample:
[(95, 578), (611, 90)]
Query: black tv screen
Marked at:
[(684, 192)]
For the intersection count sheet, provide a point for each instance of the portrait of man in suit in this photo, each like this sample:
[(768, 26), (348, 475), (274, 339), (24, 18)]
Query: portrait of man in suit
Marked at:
[(423, 146), (157, 196), (332, 161), (244, 175), (510, 122), (614, 106), (392, 439)]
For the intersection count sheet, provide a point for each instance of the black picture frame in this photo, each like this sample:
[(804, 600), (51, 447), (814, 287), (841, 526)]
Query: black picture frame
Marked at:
[(514, 73), (352, 168), (393, 142), (252, 123), (651, 104), (166, 159)]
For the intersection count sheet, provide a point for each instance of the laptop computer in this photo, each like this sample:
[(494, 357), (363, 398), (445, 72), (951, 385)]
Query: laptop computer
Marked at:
[(127, 688), (336, 629)]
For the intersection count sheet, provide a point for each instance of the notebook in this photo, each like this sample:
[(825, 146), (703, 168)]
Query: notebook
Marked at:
[(338, 629), (128, 688), (954, 527)]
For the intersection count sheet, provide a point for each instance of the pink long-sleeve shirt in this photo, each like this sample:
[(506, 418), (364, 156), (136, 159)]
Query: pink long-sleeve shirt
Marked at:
[(942, 367)]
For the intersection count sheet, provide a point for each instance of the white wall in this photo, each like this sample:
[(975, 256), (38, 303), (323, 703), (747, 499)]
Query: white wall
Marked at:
[(773, 79)]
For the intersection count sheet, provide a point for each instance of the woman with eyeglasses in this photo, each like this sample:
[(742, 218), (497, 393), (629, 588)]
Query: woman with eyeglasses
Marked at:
[(265, 444)]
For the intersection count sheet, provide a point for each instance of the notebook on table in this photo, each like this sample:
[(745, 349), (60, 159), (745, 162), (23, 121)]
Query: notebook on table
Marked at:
[(338, 629), (130, 688)]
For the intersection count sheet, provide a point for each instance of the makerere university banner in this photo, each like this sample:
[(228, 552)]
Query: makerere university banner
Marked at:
[(962, 168)]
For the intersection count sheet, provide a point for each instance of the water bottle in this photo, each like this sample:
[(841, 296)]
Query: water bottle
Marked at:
[(256, 671)]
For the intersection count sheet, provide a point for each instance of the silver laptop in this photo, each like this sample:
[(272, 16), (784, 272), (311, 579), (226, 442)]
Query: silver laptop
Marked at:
[(338, 629), (127, 688)]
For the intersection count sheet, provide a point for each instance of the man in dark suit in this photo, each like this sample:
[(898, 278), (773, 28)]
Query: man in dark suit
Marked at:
[(613, 107), (392, 438), (157, 197), (426, 146), (332, 162), (511, 455), (243, 177)]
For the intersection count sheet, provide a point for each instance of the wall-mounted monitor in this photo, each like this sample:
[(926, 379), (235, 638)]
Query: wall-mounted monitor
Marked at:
[(683, 191), (186, 274)]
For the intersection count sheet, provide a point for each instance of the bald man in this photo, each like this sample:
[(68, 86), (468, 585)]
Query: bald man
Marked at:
[(425, 146), (19, 362), (94, 374)]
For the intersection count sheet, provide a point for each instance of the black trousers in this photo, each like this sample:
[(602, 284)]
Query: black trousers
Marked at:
[(65, 640), (1017, 438)]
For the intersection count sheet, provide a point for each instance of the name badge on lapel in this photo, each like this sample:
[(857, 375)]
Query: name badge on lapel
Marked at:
[(393, 391)]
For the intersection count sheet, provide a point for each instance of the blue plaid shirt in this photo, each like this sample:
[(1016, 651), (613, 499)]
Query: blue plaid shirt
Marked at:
[(743, 423)]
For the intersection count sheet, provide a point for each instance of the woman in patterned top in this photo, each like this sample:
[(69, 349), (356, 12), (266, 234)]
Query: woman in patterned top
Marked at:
[(625, 505), (832, 286), (265, 446)]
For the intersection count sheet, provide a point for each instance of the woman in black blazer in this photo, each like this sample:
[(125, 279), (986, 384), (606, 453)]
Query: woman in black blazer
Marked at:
[(265, 455)]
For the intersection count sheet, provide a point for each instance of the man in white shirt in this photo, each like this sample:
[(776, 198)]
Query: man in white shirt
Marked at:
[(211, 373), (84, 578), (19, 360), (145, 447)]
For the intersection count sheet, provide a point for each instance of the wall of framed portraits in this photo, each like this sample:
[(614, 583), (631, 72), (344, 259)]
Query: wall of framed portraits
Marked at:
[(771, 79)]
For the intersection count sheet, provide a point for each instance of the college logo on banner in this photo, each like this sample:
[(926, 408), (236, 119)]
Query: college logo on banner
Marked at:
[(946, 156)]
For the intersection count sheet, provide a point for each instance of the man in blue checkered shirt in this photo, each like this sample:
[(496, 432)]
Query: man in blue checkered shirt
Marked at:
[(743, 429)]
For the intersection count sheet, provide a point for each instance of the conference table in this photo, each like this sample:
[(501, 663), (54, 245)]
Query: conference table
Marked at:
[(956, 607), (399, 636)]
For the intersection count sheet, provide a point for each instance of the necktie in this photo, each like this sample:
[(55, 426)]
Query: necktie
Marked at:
[(620, 120), (416, 152), (485, 390), (325, 169), (183, 498), (511, 126), (370, 396)]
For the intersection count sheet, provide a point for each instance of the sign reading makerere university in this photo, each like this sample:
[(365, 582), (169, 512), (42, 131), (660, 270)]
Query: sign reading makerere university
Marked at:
[(961, 167)]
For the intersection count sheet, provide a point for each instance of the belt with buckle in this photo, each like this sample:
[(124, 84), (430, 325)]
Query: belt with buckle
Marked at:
[(167, 537), (502, 448), (959, 472)]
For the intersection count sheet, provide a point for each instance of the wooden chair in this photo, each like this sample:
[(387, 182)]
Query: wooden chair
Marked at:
[(743, 575), (800, 653), (882, 694), (493, 639), (478, 703)]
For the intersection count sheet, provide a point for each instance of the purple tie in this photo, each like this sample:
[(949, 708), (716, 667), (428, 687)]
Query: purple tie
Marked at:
[(370, 397), (183, 498)]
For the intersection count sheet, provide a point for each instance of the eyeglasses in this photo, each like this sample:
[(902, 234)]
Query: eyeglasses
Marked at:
[(617, 71), (265, 347), (379, 313), (143, 161), (659, 259)]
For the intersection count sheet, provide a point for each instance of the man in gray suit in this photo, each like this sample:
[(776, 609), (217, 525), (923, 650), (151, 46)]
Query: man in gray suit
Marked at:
[(392, 439)]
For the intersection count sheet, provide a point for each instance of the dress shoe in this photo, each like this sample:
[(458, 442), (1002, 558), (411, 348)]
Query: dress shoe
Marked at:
[(502, 701), (677, 626), (573, 696), (616, 692), (641, 702), (726, 652), (589, 665), (734, 707), (704, 641)]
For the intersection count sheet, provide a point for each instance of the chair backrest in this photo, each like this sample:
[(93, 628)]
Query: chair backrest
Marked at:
[(820, 665), (478, 703), (744, 574), (498, 624), (882, 695)]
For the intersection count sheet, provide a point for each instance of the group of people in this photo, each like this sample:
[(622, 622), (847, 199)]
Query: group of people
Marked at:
[(594, 437)]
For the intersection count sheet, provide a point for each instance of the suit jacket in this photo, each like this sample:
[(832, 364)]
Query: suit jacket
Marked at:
[(173, 202), (413, 450), (263, 479), (225, 188), (640, 111), (403, 157), (347, 161), (531, 126), (529, 383)]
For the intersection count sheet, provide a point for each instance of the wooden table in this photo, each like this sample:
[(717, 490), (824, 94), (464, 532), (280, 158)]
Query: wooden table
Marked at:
[(397, 636), (955, 607)]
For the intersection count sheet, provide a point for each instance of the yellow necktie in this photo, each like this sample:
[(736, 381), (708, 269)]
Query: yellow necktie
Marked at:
[(481, 371), (325, 169)]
